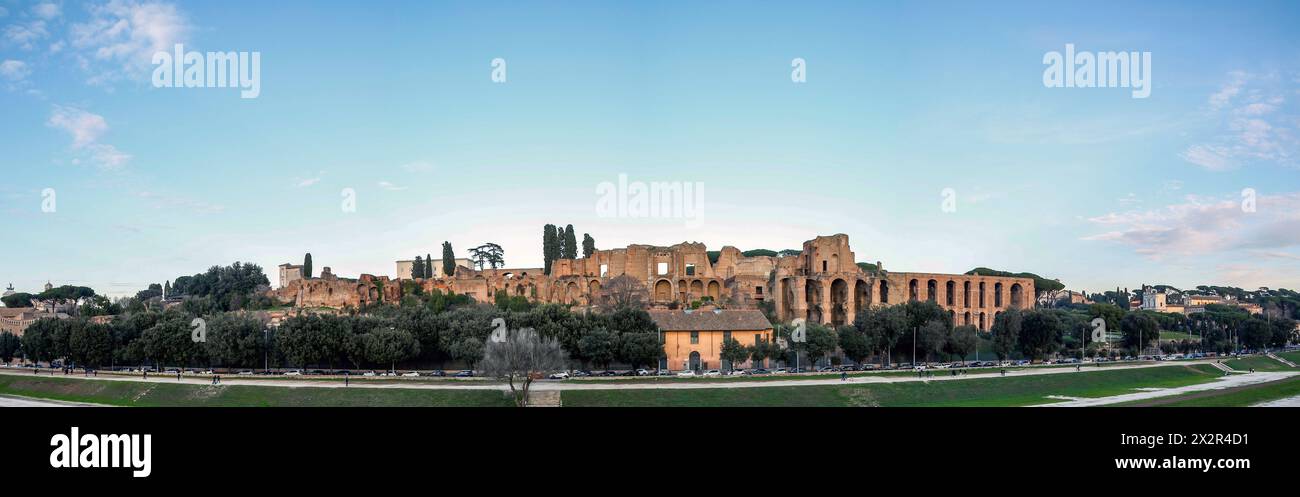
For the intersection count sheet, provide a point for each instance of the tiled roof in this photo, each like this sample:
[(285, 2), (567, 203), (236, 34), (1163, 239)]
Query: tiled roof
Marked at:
[(710, 320)]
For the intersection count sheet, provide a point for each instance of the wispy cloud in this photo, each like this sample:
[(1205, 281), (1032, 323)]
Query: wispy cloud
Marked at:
[(1201, 226), (47, 10), (85, 128), (121, 36), (14, 70), (1255, 125), (307, 182), (173, 202), (390, 187), (417, 167)]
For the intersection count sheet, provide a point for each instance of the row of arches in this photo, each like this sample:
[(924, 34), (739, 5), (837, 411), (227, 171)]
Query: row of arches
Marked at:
[(686, 290), (1016, 293)]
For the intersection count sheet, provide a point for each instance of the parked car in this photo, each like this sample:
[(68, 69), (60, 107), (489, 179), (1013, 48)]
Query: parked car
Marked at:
[(410, 374), (713, 372), (759, 371), (368, 373), (245, 373), (437, 372), (465, 374), (559, 376), (642, 372), (736, 372), (293, 372), (686, 373)]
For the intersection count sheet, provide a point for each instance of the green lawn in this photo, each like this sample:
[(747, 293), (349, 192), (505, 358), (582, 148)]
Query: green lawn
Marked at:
[(1177, 335), (1259, 362), (1293, 356), (146, 394), (1014, 391), (1236, 397)]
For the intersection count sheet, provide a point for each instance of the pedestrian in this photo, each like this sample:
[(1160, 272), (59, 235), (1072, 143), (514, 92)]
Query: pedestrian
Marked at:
[(1004, 372), (146, 373), (844, 376), (345, 378), (178, 375)]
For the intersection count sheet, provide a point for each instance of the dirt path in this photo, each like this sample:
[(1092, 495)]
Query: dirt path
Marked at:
[(1169, 395)]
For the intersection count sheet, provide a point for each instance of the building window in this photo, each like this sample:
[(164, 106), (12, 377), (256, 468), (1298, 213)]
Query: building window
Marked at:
[(758, 337), (663, 268), (690, 269), (726, 335), (695, 337), (758, 290), (604, 270), (823, 266)]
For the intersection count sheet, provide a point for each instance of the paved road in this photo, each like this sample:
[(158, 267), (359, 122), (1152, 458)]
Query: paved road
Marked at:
[(1236, 380), (7, 401), (1287, 402), (631, 384)]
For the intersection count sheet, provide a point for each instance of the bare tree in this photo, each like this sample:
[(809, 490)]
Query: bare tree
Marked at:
[(623, 291), (521, 356)]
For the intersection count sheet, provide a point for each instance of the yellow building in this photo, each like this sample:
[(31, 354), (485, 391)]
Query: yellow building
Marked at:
[(693, 339)]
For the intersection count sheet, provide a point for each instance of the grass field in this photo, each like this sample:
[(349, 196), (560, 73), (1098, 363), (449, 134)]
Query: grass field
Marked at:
[(1178, 335), (1259, 363), (145, 394), (1235, 397), (1014, 391), (1293, 356)]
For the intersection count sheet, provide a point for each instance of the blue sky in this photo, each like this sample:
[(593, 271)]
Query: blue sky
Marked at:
[(902, 100)]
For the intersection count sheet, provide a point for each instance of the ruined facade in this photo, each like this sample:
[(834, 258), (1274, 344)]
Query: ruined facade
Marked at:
[(822, 284)]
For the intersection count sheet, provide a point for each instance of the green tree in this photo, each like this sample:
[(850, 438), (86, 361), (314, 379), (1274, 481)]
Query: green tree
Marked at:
[(448, 260), (588, 245), (962, 342), (417, 268), (90, 344), (733, 352), (639, 349), (550, 247), (931, 338), (598, 346), (1139, 330), (235, 340), (390, 346), (855, 344), (306, 266), (1006, 332), (1040, 334), (570, 243), (10, 346), (883, 326), (488, 254)]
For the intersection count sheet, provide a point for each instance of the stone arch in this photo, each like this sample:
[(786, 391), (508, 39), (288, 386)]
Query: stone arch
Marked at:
[(519, 289), (835, 263), (861, 296), (839, 302), (374, 294), (884, 291), (997, 295), (593, 288), (982, 328), (571, 292), (663, 291), (715, 290), (697, 289), (966, 319), (950, 293), (1017, 295), (787, 299), (932, 291), (982, 298), (681, 291), (813, 296), (912, 290), (965, 296)]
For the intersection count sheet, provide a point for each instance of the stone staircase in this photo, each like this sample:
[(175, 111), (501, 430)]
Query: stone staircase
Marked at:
[(1281, 359), (1223, 367), (548, 398)]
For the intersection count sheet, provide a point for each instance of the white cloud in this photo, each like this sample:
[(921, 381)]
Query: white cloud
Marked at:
[(390, 187), (1255, 125), (46, 10), (417, 167), (172, 202), (14, 70), (304, 183), (1201, 226), (121, 36), (86, 129), (25, 35)]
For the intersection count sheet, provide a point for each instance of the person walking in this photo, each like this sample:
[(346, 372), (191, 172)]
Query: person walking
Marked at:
[(844, 376)]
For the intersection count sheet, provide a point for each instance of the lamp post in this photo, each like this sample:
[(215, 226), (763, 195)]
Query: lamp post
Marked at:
[(266, 346)]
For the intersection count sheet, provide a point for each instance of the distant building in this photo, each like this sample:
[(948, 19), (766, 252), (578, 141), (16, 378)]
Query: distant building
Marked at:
[(693, 339), (289, 273), (16, 320), (1153, 300), (404, 267)]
